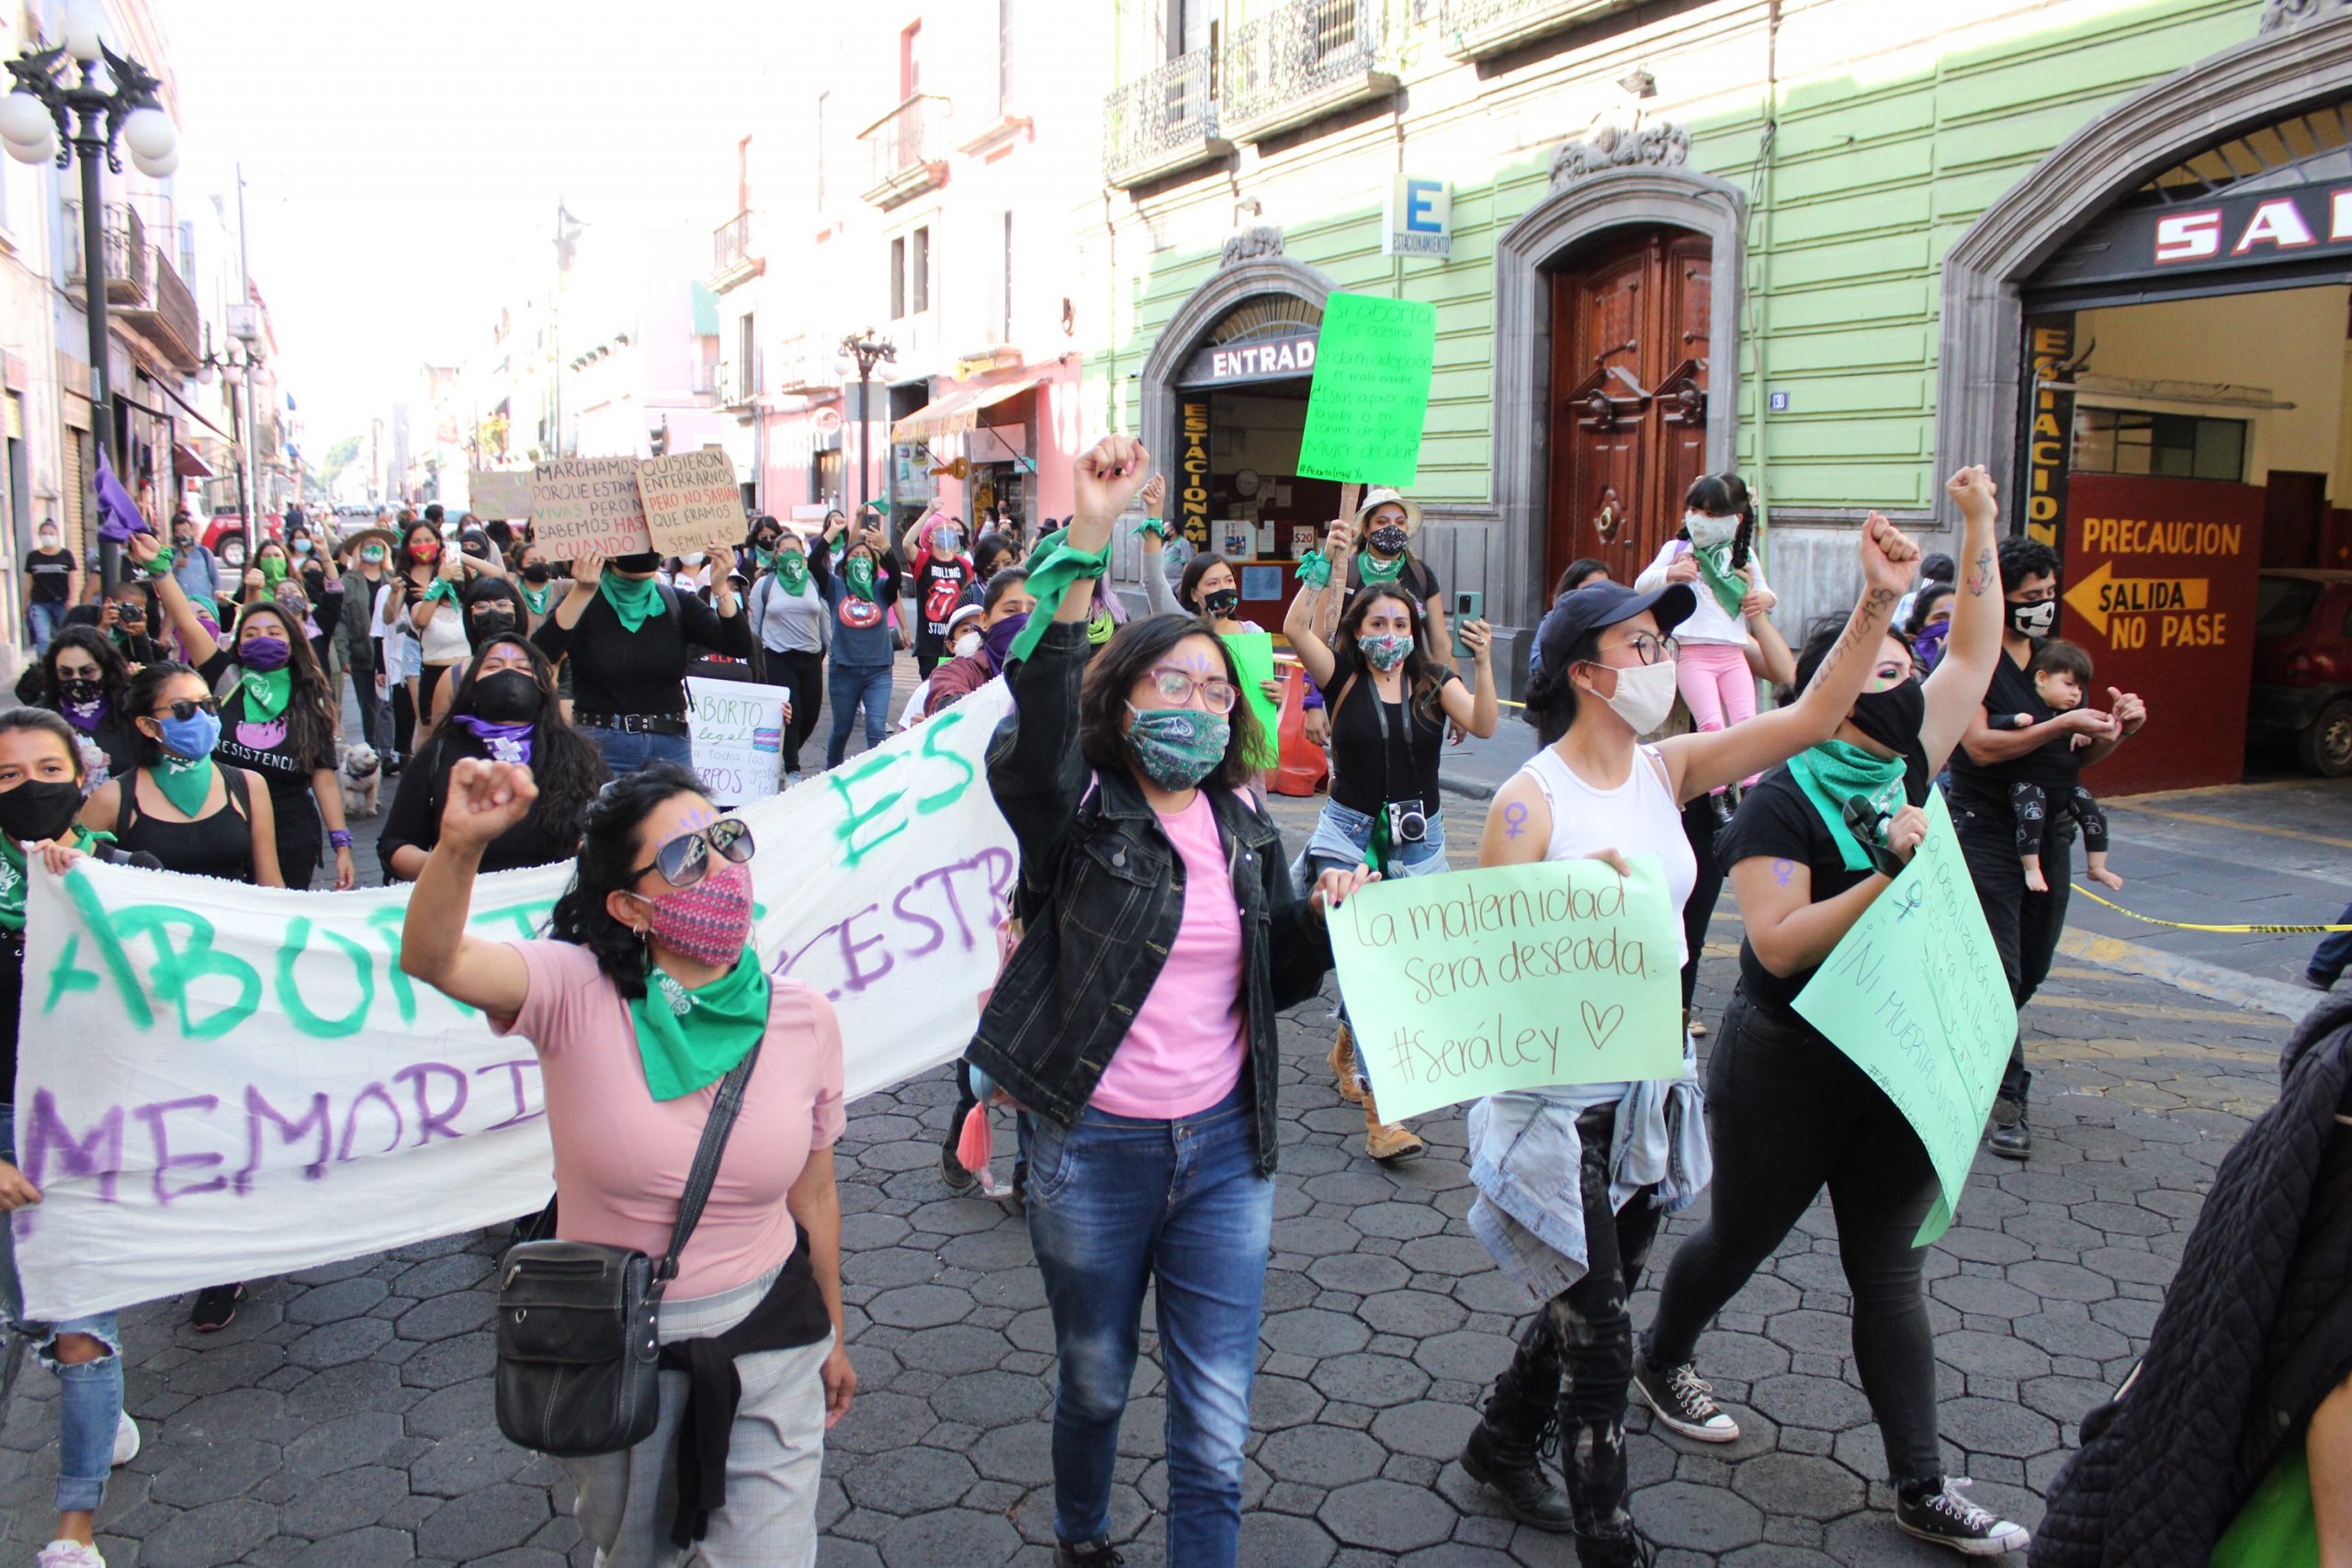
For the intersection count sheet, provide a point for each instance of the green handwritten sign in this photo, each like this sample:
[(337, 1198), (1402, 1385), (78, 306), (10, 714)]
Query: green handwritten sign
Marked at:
[(1915, 995), (1521, 977), (1253, 655), (1372, 363)]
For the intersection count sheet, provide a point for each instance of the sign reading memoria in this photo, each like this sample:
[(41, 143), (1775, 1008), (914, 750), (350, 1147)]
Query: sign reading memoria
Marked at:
[(496, 494), (690, 499), (1371, 392), (588, 507)]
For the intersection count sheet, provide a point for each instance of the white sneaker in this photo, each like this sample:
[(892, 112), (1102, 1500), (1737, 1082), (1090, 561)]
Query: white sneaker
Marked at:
[(126, 1439), (69, 1554)]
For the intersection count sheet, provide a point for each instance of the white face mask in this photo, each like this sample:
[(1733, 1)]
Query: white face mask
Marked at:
[(691, 561), (1709, 532), (967, 645), (1644, 695)]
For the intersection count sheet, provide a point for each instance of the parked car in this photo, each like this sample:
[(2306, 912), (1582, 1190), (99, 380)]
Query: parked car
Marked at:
[(225, 535), (2302, 666)]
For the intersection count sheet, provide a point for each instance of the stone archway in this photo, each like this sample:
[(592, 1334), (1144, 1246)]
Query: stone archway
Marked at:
[(2302, 56), (1240, 277), (1581, 206)]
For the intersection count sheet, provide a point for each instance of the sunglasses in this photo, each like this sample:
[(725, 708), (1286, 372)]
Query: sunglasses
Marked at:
[(186, 709), (685, 860)]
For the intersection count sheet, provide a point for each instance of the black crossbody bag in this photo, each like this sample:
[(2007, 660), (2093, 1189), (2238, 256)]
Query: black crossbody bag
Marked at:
[(579, 1342)]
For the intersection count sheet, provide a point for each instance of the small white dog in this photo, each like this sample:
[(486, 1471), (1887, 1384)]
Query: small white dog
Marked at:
[(363, 775)]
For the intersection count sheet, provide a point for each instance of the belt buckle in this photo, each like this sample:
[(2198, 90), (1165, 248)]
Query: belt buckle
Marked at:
[(634, 724)]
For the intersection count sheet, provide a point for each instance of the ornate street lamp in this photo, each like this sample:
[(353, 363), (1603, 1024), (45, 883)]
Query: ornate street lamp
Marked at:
[(237, 366), (81, 97), (863, 350)]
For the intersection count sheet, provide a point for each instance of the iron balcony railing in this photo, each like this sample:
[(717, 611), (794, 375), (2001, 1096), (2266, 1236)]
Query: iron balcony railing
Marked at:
[(902, 138), (1475, 29), (1158, 117), (123, 234), (1294, 52), (730, 245)]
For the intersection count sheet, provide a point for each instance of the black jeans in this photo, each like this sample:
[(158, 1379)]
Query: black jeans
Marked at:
[(1578, 1346), (1792, 1113), (803, 674), (1699, 827), (2026, 926)]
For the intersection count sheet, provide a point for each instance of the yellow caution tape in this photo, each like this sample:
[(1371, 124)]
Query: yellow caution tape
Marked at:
[(2187, 926)]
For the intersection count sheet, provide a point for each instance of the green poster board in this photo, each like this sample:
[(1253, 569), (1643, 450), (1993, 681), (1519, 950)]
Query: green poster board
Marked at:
[(1915, 995), (1372, 363), (1253, 655), (1513, 977)]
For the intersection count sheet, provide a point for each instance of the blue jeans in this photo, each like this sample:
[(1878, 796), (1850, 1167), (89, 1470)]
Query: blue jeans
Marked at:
[(853, 685), (626, 752), (2334, 953), (1339, 829), (1115, 1205), (90, 1402), (42, 621)]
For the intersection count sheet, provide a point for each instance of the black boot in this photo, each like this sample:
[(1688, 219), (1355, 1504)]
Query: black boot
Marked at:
[(1631, 1549), (1507, 1452)]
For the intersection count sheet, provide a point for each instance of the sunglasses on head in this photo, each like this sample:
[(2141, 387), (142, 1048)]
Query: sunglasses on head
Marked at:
[(187, 708), (685, 860)]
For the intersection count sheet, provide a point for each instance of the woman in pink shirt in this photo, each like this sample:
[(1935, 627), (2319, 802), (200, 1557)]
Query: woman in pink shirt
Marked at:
[(648, 995)]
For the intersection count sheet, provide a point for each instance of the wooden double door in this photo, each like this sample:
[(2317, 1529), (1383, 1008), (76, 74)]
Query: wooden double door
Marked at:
[(1629, 341)]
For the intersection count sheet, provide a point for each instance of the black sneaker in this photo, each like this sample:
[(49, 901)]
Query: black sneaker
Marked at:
[(1632, 1550), (2010, 1138), (2319, 982), (1949, 1519), (1684, 1402), (1096, 1553), (215, 1308), (952, 1171)]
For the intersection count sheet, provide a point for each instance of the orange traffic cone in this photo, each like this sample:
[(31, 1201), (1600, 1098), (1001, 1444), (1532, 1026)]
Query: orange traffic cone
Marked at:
[(1302, 767)]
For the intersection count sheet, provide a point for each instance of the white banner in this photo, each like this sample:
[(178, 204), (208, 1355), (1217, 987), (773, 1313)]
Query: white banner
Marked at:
[(221, 1082), (739, 737)]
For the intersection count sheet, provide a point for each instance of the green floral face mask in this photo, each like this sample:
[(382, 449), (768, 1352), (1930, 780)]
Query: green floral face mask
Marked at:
[(1177, 748)]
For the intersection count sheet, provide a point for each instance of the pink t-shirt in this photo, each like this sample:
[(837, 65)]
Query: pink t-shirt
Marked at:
[(1183, 1052), (621, 1156)]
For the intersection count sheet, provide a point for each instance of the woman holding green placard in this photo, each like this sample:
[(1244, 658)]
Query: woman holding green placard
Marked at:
[(1813, 844), (1391, 693), (1574, 1180)]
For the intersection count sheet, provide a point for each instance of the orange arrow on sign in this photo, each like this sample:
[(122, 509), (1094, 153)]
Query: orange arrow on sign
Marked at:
[(2103, 595)]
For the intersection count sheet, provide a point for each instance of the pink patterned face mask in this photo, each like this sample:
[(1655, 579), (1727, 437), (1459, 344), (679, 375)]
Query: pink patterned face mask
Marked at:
[(710, 922)]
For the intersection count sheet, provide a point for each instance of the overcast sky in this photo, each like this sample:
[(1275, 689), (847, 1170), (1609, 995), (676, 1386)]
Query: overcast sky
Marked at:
[(402, 162)]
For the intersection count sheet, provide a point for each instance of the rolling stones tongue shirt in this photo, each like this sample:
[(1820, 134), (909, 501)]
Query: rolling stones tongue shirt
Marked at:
[(941, 584)]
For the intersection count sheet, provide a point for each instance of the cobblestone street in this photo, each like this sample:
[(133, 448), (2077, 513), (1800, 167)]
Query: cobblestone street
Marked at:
[(344, 1421)]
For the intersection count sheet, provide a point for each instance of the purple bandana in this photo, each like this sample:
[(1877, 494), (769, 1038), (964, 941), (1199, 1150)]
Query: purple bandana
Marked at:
[(86, 716), (507, 742)]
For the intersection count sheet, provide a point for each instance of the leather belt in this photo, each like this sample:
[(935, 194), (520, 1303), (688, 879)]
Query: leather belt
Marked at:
[(632, 723)]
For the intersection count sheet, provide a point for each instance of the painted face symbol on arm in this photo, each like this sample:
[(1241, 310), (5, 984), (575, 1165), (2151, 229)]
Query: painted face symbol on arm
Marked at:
[(1514, 820), (1782, 870)]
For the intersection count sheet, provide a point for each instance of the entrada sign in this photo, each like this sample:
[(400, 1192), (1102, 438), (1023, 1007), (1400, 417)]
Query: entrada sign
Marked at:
[(1263, 359)]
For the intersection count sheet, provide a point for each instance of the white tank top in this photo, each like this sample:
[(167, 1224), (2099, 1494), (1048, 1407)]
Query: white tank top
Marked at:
[(1639, 817)]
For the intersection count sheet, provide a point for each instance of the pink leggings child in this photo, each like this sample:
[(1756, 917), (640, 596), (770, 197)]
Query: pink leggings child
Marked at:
[(1716, 685)]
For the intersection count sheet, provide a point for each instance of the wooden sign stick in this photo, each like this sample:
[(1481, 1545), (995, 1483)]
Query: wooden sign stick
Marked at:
[(1349, 496)]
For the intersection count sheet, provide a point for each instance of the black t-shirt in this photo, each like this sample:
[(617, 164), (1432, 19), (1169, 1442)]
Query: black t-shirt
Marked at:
[(1778, 821), (1381, 751), (939, 588), (266, 748), (415, 815), (615, 670), (327, 596), (51, 573), (2053, 765)]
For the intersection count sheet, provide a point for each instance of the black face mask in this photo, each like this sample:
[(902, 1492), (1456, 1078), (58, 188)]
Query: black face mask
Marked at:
[(1222, 602), (1892, 717), (1389, 539), (535, 573), (38, 809), (508, 696), (490, 623), (80, 691)]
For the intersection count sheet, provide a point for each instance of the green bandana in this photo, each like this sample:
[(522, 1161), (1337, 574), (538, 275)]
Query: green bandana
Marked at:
[(12, 874), (1834, 772), (762, 559), (160, 563), (1100, 627), (273, 569), (636, 599), (441, 589), (792, 570), (859, 575), (539, 598), (1374, 569), (690, 1039), (1315, 571), (266, 692), (184, 783), (1053, 571), (1715, 570)]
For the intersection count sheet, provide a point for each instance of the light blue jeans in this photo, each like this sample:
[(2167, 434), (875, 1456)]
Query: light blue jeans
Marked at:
[(626, 751), (1115, 1205), (42, 620), (90, 1403), (852, 686)]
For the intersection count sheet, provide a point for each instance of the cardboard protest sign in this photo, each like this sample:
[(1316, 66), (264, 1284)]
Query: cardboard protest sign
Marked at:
[(1371, 394), (1915, 995), (738, 737), (218, 1081), (1522, 977), (690, 499), (1253, 655), (497, 494), (588, 507)]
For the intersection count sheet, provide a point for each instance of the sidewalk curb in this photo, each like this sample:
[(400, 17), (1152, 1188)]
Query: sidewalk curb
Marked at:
[(2231, 985), (1469, 789)]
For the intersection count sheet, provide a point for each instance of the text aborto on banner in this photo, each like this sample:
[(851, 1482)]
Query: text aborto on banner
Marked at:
[(218, 1081)]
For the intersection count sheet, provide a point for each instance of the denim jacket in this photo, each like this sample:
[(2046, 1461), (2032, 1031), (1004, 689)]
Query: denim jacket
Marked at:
[(1101, 894)]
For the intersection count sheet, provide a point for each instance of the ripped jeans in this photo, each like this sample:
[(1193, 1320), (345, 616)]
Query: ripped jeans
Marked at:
[(1578, 1347), (90, 1403)]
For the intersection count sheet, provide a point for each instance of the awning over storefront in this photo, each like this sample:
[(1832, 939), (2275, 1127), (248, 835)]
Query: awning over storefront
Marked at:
[(955, 413), (187, 464)]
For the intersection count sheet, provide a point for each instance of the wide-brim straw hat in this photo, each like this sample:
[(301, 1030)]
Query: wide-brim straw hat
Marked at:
[(1383, 496)]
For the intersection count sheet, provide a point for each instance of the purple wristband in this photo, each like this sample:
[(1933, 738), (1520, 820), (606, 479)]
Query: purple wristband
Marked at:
[(339, 836)]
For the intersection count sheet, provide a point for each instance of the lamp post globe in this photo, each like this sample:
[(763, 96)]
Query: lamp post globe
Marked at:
[(150, 133), (25, 120), (81, 32), (157, 167)]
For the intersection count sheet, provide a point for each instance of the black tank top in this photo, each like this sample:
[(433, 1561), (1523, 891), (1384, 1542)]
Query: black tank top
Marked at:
[(220, 845)]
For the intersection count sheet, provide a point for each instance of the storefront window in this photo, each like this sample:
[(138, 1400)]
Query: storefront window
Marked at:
[(2161, 445)]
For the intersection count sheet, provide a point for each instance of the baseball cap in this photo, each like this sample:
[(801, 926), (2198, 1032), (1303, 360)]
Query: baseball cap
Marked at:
[(1598, 605)]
